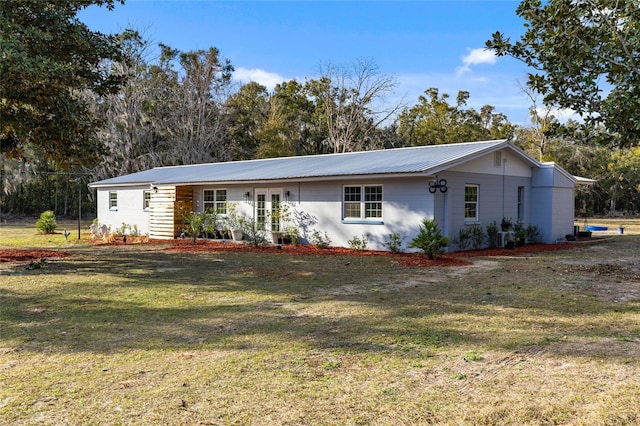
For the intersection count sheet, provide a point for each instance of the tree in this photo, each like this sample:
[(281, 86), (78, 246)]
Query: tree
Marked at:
[(586, 57), (434, 121), (194, 104), (623, 181), (248, 110), (49, 58), (129, 134), (351, 103), (291, 127)]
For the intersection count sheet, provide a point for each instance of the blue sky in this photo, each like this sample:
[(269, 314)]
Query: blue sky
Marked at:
[(422, 44)]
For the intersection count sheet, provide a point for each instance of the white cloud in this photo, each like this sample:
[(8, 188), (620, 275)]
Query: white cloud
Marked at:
[(561, 114), (267, 79), (476, 57)]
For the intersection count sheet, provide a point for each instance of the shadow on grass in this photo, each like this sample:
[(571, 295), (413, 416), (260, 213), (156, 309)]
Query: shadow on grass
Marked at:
[(111, 300)]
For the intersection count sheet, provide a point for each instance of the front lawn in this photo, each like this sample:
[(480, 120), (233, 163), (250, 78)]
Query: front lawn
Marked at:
[(138, 334)]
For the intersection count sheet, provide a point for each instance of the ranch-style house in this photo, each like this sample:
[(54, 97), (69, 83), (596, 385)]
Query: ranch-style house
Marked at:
[(370, 193)]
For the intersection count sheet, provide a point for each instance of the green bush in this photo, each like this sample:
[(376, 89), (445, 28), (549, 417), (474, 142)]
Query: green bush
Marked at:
[(492, 234), (253, 231), (533, 234), (293, 232), (126, 229), (47, 222), (429, 239), (394, 243), (472, 236), (358, 243), (320, 240), (200, 224)]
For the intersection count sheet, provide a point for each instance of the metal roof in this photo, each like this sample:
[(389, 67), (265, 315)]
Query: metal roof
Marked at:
[(421, 159)]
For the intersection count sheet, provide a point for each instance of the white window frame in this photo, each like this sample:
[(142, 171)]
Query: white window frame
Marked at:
[(216, 204), (267, 203), (357, 201), (146, 200), (113, 200), (475, 203)]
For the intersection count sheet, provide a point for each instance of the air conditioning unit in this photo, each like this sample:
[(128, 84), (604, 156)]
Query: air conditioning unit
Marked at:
[(503, 237)]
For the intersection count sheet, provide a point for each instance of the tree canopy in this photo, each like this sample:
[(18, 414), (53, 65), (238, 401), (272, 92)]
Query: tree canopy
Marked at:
[(586, 57), (434, 121), (49, 58)]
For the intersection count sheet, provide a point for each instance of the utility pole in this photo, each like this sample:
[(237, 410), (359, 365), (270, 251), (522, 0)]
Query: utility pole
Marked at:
[(78, 180), (79, 205)]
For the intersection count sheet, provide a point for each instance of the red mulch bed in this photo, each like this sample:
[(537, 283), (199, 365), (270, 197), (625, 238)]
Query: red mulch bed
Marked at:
[(19, 255), (407, 259)]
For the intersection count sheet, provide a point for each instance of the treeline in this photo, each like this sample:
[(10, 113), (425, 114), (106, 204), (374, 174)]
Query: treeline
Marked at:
[(185, 108)]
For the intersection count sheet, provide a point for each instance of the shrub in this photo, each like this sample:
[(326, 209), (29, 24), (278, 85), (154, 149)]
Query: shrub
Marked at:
[(200, 223), (430, 239), (320, 240), (394, 243), (253, 231), (47, 222), (506, 224), (359, 243), (533, 234), (492, 234), (472, 236), (126, 229), (293, 232), (520, 232)]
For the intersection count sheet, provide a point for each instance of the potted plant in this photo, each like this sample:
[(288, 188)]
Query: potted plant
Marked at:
[(293, 235), (280, 215), (510, 242)]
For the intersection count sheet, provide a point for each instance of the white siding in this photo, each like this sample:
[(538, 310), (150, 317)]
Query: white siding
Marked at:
[(510, 165), (130, 208), (317, 206), (553, 200), (497, 198)]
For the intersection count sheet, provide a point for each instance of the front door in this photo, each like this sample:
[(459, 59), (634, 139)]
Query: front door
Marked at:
[(268, 209)]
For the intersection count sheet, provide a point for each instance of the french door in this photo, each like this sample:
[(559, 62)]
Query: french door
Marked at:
[(268, 209)]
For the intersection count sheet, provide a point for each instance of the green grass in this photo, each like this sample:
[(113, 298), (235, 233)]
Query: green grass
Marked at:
[(631, 225), (140, 335), (24, 234)]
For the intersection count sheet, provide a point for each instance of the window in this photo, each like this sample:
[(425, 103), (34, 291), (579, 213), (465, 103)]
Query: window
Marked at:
[(372, 202), (221, 201), (113, 200), (276, 212), (362, 202), (215, 200), (146, 200), (261, 210), (521, 203), (471, 202), (352, 199)]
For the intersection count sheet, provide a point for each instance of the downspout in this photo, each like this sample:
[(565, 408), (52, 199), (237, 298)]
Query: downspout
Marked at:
[(504, 167)]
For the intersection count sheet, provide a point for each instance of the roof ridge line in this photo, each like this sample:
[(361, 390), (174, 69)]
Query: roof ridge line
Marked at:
[(404, 148)]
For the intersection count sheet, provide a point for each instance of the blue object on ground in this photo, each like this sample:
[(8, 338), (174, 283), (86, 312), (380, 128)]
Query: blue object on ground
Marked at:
[(595, 228)]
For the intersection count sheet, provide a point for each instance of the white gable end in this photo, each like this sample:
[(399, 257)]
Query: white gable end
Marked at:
[(496, 163)]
